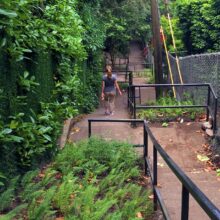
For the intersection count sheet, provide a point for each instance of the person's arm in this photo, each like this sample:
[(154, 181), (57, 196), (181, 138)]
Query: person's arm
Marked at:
[(117, 87), (103, 87)]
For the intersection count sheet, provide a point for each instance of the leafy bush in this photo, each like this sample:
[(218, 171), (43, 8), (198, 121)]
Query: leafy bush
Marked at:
[(49, 51), (45, 40), (93, 179)]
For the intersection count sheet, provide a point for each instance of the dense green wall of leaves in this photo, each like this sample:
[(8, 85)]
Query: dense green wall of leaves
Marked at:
[(51, 53), (196, 25)]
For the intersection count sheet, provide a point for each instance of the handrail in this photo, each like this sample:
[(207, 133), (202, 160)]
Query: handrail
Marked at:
[(213, 91), (169, 85), (189, 187), (210, 109), (212, 211)]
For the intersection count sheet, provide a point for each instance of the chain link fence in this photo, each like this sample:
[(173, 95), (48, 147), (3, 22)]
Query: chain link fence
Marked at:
[(202, 68)]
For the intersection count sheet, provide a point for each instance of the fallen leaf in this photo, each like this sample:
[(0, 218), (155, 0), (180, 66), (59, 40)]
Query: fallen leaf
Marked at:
[(75, 130), (210, 163), (58, 176), (41, 175), (40, 200), (165, 124), (151, 196), (205, 146), (182, 120), (207, 170), (159, 186), (195, 171), (170, 140), (145, 178), (198, 131), (72, 196), (139, 215), (202, 119), (160, 164), (188, 124), (202, 158)]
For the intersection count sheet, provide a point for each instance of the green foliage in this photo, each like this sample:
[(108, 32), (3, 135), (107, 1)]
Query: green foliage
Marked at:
[(146, 73), (41, 207), (178, 33), (34, 19), (15, 212), (123, 25), (44, 46), (27, 84), (7, 197), (199, 22), (93, 179), (49, 51), (218, 172), (167, 114)]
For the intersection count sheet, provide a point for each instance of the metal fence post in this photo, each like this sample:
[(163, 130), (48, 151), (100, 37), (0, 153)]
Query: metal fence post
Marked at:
[(134, 99), (128, 96), (134, 106), (215, 116), (89, 128), (155, 176), (145, 149), (140, 95), (185, 204), (208, 103), (130, 81)]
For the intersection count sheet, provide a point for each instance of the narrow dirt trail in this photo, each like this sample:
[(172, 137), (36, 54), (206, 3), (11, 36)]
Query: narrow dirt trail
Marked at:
[(181, 141)]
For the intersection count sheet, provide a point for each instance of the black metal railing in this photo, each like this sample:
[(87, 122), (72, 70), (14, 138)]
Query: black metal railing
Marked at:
[(188, 187), (211, 108)]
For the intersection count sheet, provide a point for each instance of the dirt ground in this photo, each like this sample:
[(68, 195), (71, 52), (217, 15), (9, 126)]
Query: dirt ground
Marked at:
[(182, 141)]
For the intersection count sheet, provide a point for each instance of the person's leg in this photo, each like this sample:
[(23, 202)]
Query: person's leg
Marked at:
[(107, 107), (112, 102)]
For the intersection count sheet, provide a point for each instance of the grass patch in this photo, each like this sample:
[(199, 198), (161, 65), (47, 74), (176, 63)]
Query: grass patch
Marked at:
[(169, 114), (93, 179)]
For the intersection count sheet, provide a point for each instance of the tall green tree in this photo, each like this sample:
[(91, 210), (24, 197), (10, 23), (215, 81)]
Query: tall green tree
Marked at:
[(199, 21), (126, 20)]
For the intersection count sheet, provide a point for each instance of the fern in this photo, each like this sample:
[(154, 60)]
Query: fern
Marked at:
[(28, 177), (8, 195), (66, 193), (94, 182), (15, 212), (6, 199), (41, 206)]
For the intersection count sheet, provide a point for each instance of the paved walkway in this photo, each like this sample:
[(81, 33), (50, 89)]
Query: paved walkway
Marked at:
[(181, 141)]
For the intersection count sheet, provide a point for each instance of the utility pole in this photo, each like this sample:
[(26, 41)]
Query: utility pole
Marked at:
[(157, 53)]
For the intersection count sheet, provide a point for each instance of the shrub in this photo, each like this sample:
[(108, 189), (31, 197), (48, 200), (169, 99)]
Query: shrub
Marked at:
[(93, 179)]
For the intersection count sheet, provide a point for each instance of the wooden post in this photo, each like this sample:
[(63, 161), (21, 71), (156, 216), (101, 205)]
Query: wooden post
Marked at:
[(157, 53)]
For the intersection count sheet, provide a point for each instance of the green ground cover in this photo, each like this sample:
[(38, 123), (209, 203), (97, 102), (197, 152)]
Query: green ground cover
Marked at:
[(93, 179), (169, 114)]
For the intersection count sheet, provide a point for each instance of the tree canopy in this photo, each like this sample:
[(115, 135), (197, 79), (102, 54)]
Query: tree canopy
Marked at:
[(196, 24)]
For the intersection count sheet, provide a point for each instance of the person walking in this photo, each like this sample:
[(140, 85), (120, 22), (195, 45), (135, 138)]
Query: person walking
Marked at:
[(109, 86)]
